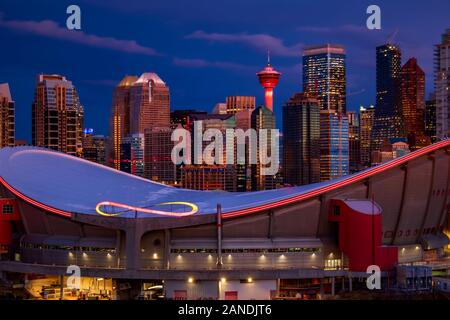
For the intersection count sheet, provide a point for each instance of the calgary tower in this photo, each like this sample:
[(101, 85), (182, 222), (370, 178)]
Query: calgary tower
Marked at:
[(269, 78)]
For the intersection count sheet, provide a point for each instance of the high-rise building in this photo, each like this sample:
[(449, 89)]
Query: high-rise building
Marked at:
[(149, 103), (120, 117), (430, 118), (334, 146), (7, 117), (268, 78), (138, 104), (208, 177), (324, 76), (57, 115), (388, 117), (301, 140), (263, 119), (221, 123), (366, 120), (94, 147), (412, 101), (132, 154), (238, 103), (442, 85), (354, 142), (158, 164)]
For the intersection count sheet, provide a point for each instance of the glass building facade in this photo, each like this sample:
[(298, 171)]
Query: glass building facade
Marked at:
[(301, 140), (324, 76), (388, 118), (334, 145)]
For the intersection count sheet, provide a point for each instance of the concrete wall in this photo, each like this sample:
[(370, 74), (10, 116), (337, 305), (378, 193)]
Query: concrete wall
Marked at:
[(256, 290)]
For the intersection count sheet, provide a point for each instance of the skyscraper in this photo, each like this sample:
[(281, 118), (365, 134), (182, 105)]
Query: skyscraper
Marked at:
[(158, 164), (430, 118), (366, 120), (57, 115), (324, 76), (235, 104), (120, 117), (263, 118), (412, 101), (301, 140), (442, 85), (334, 145), (354, 142), (268, 78), (7, 117), (138, 104), (94, 147), (132, 154), (388, 118), (149, 103)]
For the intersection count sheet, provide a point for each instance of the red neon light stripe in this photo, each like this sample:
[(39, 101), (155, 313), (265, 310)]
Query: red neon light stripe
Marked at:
[(345, 182), (34, 202), (307, 195)]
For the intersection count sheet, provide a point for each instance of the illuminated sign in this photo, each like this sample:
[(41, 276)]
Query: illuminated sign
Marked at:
[(194, 209)]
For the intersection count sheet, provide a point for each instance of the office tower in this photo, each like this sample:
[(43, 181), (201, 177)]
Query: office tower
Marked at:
[(57, 115), (222, 123), (149, 103), (138, 104), (7, 117), (220, 108), (208, 177), (334, 148), (238, 103), (132, 154), (442, 85), (354, 142), (324, 76), (263, 119), (412, 101), (430, 118), (366, 120), (388, 119), (94, 147), (158, 164), (301, 140), (120, 117), (268, 78)]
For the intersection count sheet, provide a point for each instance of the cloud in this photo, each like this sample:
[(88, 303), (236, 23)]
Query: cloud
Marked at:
[(261, 42), (202, 63), (50, 29)]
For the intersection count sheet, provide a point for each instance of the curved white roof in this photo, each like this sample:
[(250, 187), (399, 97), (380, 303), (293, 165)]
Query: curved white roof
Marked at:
[(74, 185)]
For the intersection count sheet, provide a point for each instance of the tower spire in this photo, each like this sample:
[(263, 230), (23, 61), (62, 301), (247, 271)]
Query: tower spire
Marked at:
[(268, 57)]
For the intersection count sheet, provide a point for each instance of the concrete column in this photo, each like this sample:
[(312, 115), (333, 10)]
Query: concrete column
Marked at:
[(332, 286), (133, 245), (219, 236), (350, 284), (167, 248), (343, 283)]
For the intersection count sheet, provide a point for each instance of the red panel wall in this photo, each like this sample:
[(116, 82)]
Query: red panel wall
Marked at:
[(6, 221), (360, 238)]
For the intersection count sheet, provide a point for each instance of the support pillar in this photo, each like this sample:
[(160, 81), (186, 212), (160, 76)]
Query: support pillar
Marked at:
[(350, 284), (219, 236)]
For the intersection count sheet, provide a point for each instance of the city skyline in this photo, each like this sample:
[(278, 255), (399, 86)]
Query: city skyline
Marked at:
[(208, 52)]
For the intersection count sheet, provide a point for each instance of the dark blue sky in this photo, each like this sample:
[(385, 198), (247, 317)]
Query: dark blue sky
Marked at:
[(204, 49)]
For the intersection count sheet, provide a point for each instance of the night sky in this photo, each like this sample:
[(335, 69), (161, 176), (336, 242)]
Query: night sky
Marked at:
[(204, 50)]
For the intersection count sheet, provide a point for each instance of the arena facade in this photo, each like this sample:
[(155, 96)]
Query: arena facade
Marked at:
[(59, 210)]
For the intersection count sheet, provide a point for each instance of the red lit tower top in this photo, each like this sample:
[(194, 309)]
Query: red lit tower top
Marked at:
[(268, 78)]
